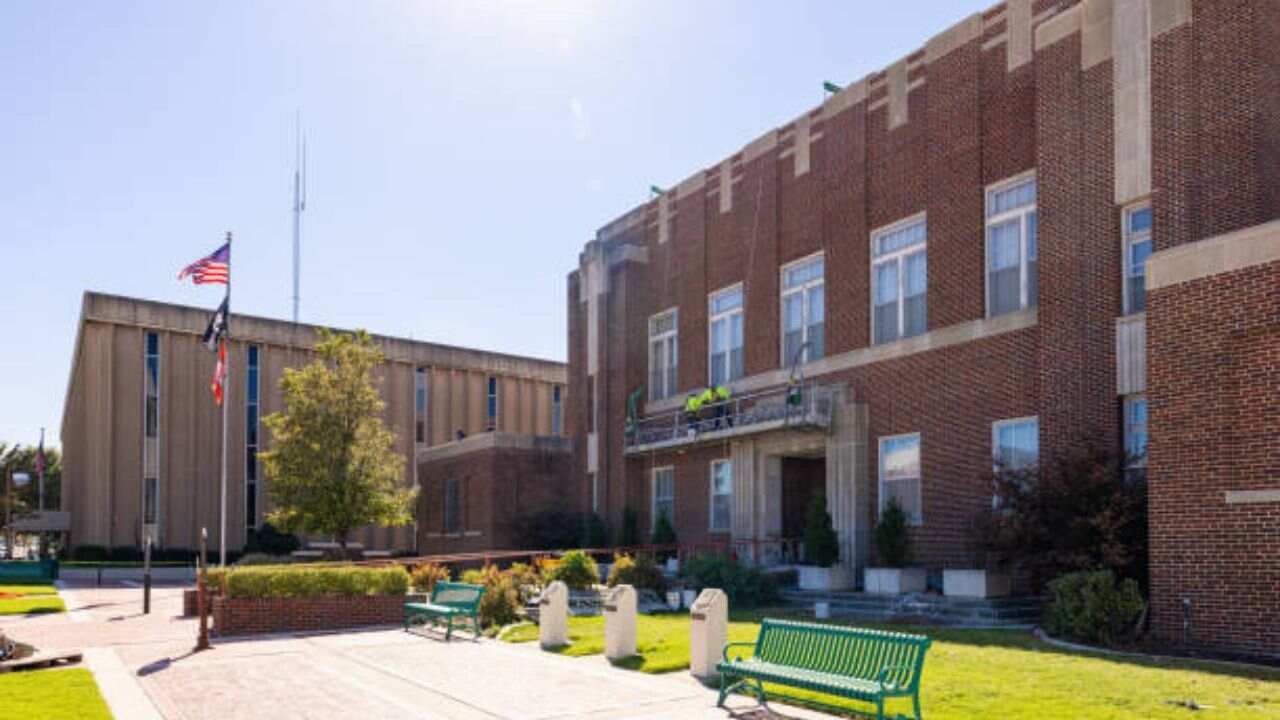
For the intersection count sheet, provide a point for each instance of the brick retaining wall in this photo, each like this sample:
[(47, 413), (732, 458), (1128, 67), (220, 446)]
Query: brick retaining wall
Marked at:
[(246, 616)]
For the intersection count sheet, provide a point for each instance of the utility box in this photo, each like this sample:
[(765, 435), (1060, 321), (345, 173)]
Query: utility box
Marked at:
[(708, 630), (620, 623), (553, 616)]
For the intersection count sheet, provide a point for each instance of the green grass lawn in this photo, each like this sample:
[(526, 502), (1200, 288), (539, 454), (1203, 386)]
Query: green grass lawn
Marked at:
[(51, 695), (29, 599), (990, 673)]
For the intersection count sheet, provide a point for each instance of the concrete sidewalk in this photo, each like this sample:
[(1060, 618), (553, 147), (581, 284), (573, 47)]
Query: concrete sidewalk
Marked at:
[(146, 669)]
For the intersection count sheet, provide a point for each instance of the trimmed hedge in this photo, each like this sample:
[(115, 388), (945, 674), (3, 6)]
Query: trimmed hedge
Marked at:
[(1093, 607), (265, 581)]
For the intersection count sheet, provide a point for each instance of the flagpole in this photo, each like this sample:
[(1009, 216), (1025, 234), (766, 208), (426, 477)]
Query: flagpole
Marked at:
[(40, 505), (226, 400)]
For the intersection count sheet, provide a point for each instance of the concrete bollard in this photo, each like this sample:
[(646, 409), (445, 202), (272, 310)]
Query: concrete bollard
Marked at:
[(553, 616), (708, 630), (620, 623)]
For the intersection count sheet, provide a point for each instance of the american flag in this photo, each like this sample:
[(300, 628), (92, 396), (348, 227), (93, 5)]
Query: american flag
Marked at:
[(216, 268)]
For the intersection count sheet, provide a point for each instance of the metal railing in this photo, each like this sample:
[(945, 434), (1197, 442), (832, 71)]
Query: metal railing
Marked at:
[(800, 405)]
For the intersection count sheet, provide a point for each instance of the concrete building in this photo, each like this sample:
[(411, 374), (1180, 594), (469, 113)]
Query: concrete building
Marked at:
[(1054, 223), (142, 437)]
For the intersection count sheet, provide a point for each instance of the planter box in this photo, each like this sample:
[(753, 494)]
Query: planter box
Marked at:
[(975, 584), (836, 577), (894, 581), (247, 616)]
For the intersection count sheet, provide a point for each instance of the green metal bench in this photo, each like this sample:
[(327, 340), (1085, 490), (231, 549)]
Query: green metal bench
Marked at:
[(28, 571), (867, 665), (449, 601)]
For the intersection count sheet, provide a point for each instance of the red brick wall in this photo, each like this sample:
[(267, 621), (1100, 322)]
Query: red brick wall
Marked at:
[(1214, 378), (251, 616), (498, 487)]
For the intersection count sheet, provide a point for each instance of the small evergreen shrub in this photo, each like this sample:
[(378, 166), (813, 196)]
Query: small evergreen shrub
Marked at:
[(746, 586), (527, 579), (425, 576), (821, 546), (893, 537), (641, 571), (270, 541), (309, 581), (663, 532), (501, 602), (575, 569), (1093, 607)]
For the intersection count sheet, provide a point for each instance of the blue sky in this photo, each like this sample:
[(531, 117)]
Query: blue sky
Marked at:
[(460, 153)]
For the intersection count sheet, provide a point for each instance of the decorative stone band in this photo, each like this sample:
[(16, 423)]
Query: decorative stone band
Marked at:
[(1249, 497), (1257, 245)]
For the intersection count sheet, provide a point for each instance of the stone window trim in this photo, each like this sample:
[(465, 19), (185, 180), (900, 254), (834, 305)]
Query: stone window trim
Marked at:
[(803, 289), (720, 310), (1133, 287), (916, 518), (664, 334), (658, 498), (727, 520), (1026, 214), (898, 256)]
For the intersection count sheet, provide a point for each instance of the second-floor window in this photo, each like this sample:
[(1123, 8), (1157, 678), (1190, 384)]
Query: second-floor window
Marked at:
[(663, 355), (721, 495), (664, 494), (557, 410), (899, 281), (803, 310), (420, 404), (1011, 246), (1137, 248), (900, 474), (1135, 436), (725, 327), (491, 422)]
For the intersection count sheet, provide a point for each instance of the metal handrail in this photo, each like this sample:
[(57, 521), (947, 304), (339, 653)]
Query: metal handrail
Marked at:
[(804, 402)]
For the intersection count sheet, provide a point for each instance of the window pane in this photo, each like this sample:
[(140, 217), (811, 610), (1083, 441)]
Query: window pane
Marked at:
[(1018, 444), (1140, 220), (718, 335), (735, 346), (1004, 286), (902, 237), (1002, 245), (886, 321), (153, 411), (907, 492), (800, 274), (900, 457), (726, 300), (718, 368), (1011, 198), (886, 279), (817, 319), (720, 513), (792, 312)]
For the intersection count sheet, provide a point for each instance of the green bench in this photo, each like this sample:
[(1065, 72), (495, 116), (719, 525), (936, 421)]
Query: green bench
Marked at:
[(867, 665), (449, 601), (28, 571)]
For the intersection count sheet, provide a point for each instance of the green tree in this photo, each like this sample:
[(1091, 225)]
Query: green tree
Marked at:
[(893, 536), (332, 465), (22, 459)]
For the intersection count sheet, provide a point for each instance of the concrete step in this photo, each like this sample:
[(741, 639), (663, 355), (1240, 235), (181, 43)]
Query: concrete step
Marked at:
[(1011, 612)]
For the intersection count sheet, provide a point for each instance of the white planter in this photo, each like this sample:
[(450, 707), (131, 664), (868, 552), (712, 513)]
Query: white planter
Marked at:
[(894, 581), (836, 577), (975, 584), (673, 599)]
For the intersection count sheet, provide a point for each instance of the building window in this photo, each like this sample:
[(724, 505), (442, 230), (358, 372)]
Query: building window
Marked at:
[(664, 495), (721, 495), (1135, 436), (1137, 248), (491, 423), (420, 414), (664, 358), (803, 310), (251, 438), (591, 404), (899, 281), (1016, 443), (557, 411), (1011, 246), (595, 492), (452, 506), (725, 310), (900, 474), (151, 430)]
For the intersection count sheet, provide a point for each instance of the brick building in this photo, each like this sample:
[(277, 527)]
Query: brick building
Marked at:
[(142, 438), (947, 261)]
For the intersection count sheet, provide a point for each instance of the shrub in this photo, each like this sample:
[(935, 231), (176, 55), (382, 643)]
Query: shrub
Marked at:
[(893, 538), (641, 571), (267, 540), (1093, 607), (501, 602), (630, 534), (1074, 513), (575, 569), (663, 532), (745, 586), (527, 579), (311, 580), (426, 575), (821, 546), (89, 553)]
